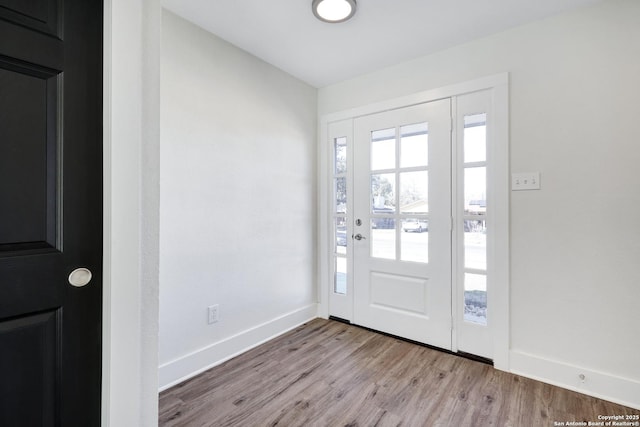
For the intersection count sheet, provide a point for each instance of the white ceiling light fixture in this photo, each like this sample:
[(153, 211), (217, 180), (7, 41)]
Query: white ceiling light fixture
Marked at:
[(333, 11)]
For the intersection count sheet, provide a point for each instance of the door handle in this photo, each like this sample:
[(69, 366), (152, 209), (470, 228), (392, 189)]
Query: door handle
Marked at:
[(359, 236), (80, 277)]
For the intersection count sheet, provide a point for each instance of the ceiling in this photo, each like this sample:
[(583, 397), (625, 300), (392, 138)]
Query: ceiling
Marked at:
[(286, 34)]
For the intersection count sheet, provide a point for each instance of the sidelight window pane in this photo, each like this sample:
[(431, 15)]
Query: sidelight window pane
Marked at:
[(340, 150), (340, 191), (475, 138), (475, 298), (414, 145), (383, 149), (340, 279), (341, 241), (475, 191), (475, 245)]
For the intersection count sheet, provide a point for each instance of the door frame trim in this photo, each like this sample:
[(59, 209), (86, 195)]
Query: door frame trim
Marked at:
[(131, 129), (498, 84)]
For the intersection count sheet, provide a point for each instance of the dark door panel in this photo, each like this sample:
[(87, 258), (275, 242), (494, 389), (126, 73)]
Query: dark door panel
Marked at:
[(50, 212), (34, 47), (29, 157), (38, 15), (31, 346)]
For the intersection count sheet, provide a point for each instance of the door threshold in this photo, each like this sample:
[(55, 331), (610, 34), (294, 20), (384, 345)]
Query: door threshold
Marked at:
[(340, 319), (462, 354)]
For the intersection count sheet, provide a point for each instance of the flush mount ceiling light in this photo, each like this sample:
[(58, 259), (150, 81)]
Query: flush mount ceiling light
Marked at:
[(333, 11)]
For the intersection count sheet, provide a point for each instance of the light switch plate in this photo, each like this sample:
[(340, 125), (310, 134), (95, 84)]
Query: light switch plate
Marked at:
[(525, 181)]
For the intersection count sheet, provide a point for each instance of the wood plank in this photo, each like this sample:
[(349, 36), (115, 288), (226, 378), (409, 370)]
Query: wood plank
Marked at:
[(327, 373)]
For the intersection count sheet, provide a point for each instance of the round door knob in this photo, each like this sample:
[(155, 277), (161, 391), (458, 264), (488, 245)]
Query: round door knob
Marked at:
[(80, 277)]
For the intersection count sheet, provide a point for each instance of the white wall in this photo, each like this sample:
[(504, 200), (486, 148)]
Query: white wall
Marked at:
[(575, 244), (238, 206)]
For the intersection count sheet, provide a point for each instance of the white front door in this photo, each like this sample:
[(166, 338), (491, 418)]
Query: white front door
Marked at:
[(400, 228)]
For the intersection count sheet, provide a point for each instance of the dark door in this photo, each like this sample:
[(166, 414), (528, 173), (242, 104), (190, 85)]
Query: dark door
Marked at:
[(50, 212)]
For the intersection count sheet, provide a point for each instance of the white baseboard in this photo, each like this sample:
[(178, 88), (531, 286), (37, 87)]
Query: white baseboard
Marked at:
[(597, 384), (192, 364)]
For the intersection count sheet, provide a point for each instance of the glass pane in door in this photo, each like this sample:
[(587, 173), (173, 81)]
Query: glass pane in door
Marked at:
[(383, 193), (414, 145), (414, 240), (414, 189), (383, 237), (383, 149)]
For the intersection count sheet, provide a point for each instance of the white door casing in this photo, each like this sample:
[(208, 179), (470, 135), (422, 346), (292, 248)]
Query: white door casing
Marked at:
[(493, 341)]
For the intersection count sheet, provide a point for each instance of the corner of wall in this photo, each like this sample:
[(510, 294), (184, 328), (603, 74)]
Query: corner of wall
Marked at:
[(192, 364)]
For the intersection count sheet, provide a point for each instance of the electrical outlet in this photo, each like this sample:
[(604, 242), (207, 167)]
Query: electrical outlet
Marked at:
[(212, 314)]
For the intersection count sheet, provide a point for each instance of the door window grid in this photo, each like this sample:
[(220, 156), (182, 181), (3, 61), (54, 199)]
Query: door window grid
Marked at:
[(340, 240), (399, 193), (475, 218)]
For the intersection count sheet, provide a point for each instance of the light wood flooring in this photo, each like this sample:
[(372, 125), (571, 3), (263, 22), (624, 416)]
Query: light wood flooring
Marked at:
[(327, 373)]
